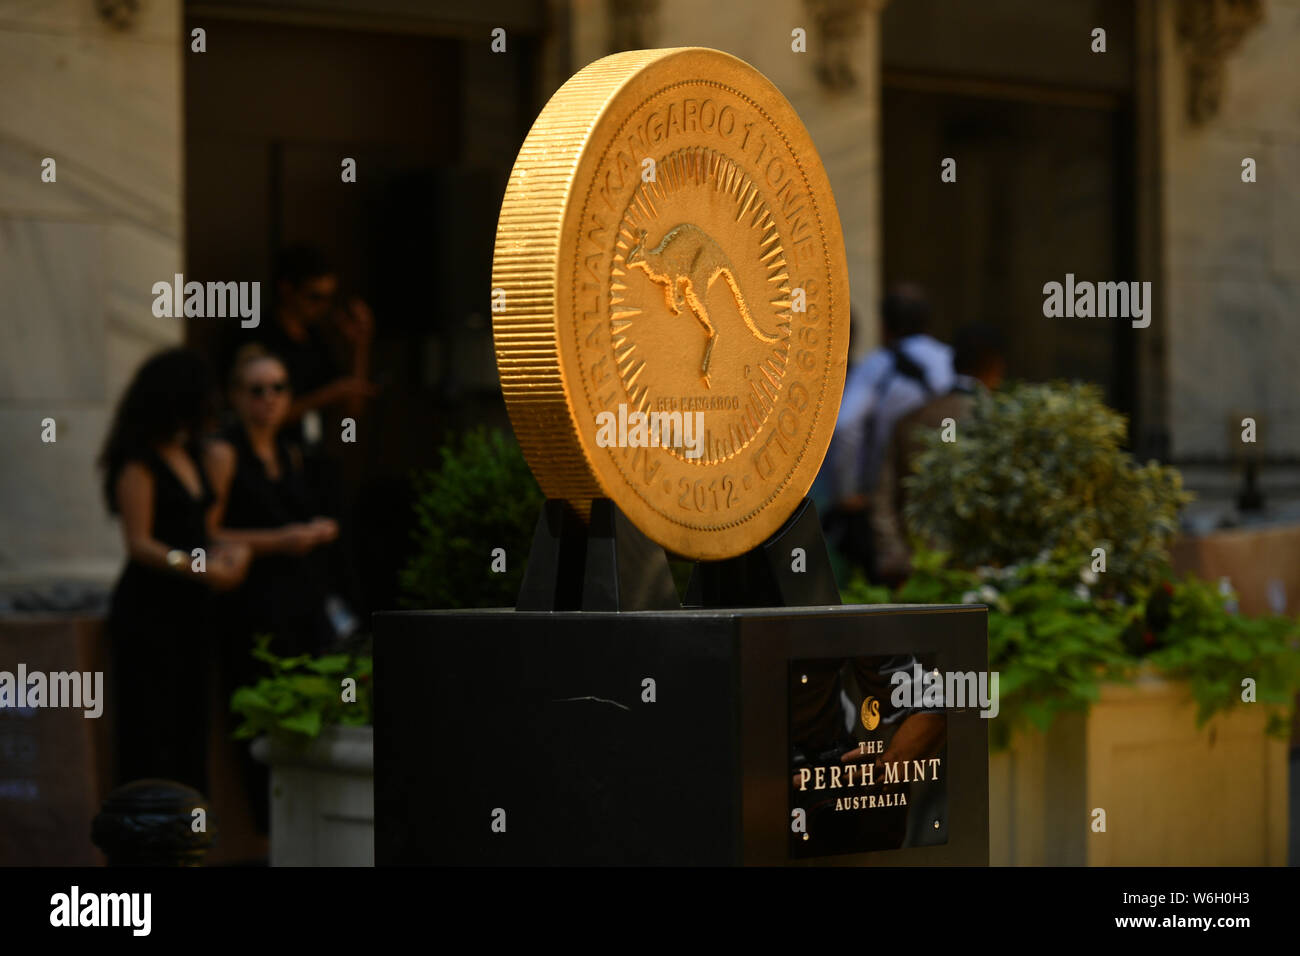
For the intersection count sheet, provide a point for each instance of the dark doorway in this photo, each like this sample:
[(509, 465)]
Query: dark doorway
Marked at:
[(433, 122), (1044, 158)]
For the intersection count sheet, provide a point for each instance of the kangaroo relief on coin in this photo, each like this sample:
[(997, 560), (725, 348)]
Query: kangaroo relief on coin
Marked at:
[(686, 263)]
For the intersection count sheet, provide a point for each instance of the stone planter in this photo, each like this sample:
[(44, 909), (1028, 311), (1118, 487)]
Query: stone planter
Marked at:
[(1173, 795), (322, 798)]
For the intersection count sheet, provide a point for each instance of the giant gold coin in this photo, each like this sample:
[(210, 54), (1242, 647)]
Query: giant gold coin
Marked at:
[(670, 299)]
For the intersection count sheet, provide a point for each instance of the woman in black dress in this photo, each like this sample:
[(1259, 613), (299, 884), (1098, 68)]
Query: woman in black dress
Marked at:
[(264, 500), (160, 616)]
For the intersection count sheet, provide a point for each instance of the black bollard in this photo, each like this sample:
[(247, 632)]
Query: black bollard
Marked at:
[(152, 823), (1250, 498)]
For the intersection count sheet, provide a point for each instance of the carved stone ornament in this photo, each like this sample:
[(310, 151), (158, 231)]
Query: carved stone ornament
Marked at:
[(836, 25), (1211, 29), (119, 14)]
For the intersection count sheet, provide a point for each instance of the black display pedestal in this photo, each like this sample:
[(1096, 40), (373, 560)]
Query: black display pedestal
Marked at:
[(645, 737)]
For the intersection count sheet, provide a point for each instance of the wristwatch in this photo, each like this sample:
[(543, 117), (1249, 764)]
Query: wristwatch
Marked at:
[(177, 559)]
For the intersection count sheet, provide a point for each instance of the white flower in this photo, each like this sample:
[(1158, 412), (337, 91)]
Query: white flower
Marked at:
[(1088, 576), (988, 595), (1081, 592), (970, 597)]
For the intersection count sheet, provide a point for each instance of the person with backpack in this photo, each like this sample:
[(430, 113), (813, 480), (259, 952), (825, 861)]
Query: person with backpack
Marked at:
[(906, 371), (980, 364)]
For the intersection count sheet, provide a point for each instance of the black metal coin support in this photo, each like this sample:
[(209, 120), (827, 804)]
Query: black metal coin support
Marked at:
[(609, 565)]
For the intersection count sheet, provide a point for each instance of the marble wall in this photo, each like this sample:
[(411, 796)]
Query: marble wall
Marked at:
[(77, 259), (1231, 250)]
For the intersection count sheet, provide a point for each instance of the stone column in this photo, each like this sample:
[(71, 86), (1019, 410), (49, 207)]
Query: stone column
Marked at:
[(1230, 91), (96, 87)]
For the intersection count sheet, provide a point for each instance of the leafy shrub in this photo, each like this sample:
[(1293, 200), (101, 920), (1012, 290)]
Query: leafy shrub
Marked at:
[(302, 695), (1214, 649), (483, 497), (1041, 468)]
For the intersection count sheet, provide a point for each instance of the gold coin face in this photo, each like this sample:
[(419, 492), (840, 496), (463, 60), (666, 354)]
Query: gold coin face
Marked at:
[(671, 308)]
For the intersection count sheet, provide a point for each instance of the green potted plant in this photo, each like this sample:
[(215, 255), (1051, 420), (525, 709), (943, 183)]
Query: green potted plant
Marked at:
[(309, 720), (482, 497)]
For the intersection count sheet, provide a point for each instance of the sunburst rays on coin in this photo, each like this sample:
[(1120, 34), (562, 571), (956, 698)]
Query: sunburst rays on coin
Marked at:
[(700, 296)]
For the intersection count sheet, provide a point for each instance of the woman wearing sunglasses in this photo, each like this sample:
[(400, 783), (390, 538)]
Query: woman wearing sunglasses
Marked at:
[(264, 500)]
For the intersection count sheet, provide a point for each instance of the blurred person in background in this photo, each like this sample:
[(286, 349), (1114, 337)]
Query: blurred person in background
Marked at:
[(902, 374), (264, 501), (979, 363), (326, 350), (325, 347), (160, 617)]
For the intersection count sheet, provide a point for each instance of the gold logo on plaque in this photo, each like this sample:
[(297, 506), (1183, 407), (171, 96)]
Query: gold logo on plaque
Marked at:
[(870, 713), (673, 292)]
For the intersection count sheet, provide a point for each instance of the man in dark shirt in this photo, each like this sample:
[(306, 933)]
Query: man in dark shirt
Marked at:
[(326, 350)]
